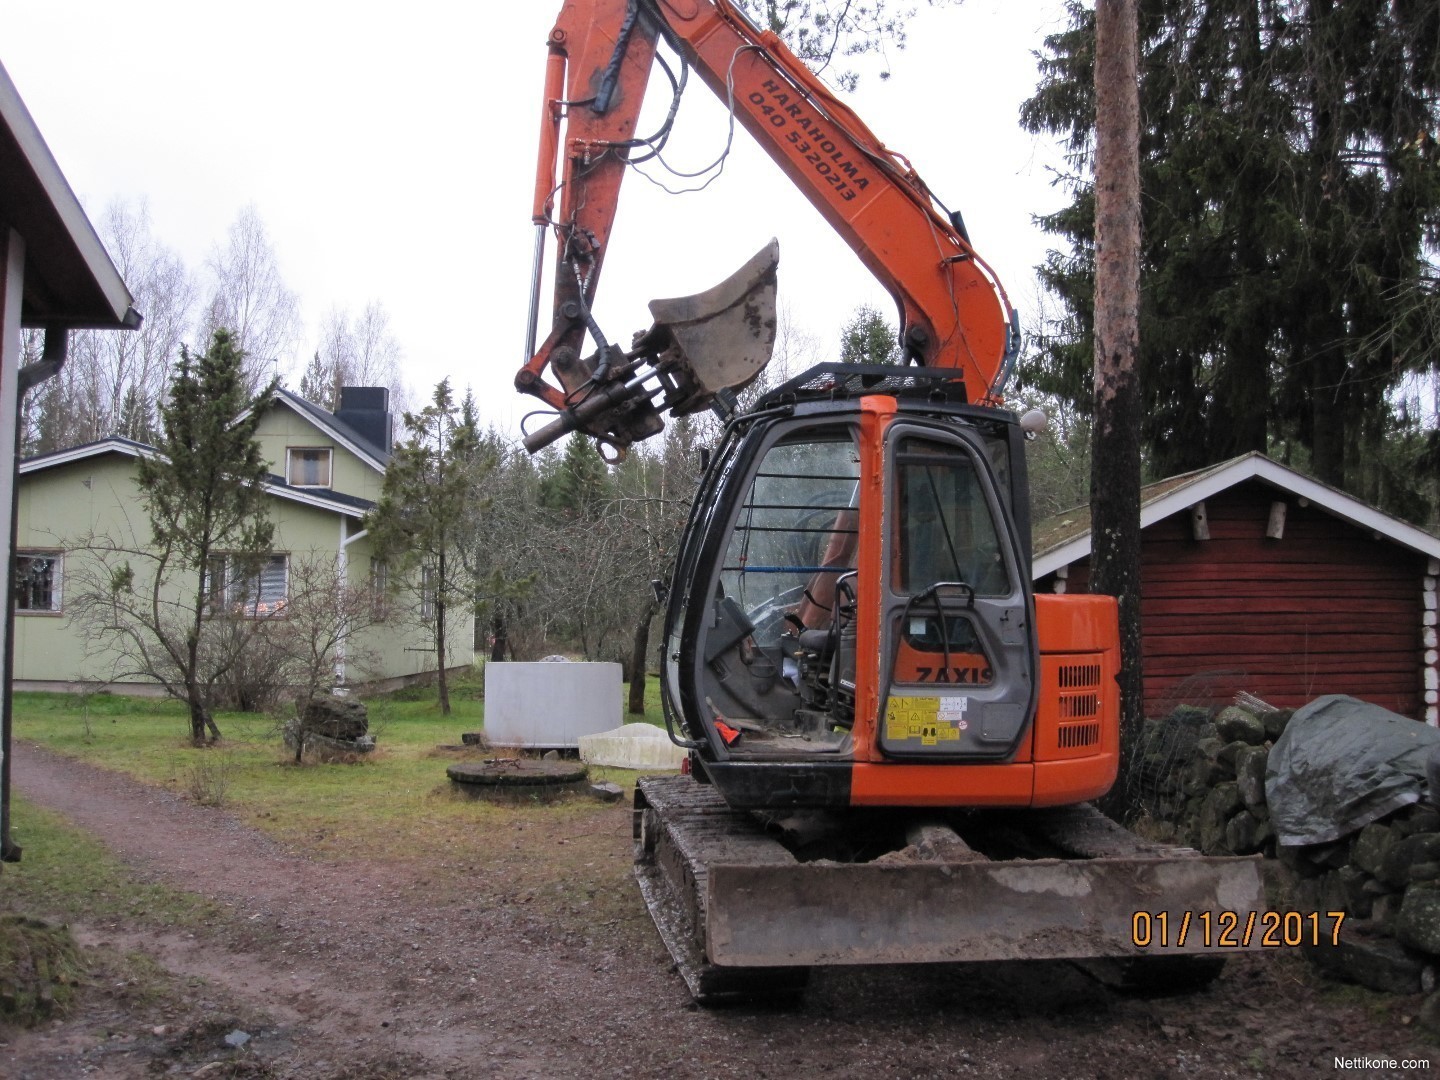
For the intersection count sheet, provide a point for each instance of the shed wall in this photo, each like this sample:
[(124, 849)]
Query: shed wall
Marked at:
[(1324, 609)]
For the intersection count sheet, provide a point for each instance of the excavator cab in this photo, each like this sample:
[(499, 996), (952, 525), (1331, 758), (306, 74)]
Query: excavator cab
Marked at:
[(844, 494)]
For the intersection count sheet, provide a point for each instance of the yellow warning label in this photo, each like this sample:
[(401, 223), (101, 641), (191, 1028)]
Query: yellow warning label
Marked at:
[(919, 718)]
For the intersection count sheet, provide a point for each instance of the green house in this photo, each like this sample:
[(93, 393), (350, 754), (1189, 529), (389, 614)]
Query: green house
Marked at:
[(326, 471)]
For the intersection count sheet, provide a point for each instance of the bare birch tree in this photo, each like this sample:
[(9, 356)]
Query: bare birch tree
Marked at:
[(249, 297)]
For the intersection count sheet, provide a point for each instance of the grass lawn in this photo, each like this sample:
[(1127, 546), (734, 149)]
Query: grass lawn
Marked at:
[(64, 871), (394, 803)]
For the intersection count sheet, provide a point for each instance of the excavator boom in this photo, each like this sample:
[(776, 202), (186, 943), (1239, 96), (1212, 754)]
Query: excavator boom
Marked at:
[(953, 311)]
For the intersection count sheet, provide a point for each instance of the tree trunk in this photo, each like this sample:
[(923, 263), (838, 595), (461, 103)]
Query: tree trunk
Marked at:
[(1115, 467), (1328, 366), (639, 646), (500, 636), (440, 677), (199, 716)]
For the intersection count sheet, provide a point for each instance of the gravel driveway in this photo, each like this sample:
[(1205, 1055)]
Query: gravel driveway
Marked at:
[(368, 969)]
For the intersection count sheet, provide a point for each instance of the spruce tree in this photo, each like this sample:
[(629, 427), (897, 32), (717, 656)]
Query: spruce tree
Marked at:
[(868, 339), (1290, 179), (204, 497), (423, 524)]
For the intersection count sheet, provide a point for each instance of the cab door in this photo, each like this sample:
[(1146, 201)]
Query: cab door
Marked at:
[(958, 645)]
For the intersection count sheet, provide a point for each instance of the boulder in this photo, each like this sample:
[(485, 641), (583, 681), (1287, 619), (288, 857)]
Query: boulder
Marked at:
[(1239, 724), (1417, 923), (1187, 716), (342, 718), (1403, 855), (1372, 961), (1275, 722), (1429, 1015), (1372, 847), (1229, 752), (1385, 911), (1208, 747), (1204, 773), (1358, 900), (1417, 819), (1223, 803), (1332, 892), (1250, 764), (1243, 834)]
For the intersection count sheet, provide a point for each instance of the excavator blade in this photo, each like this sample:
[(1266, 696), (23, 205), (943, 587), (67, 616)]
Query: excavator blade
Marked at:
[(743, 917), (719, 339), (1050, 909)]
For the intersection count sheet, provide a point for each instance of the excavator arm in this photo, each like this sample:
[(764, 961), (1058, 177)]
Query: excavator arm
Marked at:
[(953, 311)]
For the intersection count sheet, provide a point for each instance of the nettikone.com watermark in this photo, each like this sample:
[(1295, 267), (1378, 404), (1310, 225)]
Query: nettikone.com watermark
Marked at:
[(1370, 1064)]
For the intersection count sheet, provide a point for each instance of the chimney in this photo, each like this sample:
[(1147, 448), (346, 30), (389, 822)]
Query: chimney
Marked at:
[(366, 409)]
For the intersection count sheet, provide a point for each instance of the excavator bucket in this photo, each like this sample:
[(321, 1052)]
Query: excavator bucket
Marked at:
[(743, 917), (719, 339)]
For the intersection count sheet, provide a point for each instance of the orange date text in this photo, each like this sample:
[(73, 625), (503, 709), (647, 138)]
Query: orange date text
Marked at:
[(1234, 929)]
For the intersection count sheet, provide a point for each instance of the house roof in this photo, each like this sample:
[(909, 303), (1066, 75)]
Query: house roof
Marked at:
[(1064, 538), (70, 281), (336, 428), (349, 505)]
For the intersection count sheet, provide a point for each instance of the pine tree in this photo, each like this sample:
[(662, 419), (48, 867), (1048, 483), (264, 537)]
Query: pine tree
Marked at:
[(1115, 461)]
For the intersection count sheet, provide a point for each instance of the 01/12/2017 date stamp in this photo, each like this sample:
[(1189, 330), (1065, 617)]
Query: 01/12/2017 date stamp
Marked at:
[(1234, 930)]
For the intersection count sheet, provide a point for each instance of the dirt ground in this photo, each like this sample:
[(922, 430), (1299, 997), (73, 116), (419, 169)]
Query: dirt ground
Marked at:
[(470, 969)]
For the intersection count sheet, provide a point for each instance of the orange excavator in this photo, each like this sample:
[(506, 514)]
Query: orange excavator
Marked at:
[(892, 739)]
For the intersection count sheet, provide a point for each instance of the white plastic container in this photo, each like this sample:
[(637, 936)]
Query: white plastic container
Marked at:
[(549, 705)]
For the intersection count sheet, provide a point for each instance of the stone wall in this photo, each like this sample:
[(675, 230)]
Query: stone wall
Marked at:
[(1201, 782)]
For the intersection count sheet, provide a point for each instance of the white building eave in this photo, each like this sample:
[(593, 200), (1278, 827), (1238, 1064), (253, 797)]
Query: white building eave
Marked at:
[(1209, 483)]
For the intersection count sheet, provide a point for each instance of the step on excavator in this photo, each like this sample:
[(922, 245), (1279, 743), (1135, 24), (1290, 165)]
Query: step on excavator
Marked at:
[(892, 740)]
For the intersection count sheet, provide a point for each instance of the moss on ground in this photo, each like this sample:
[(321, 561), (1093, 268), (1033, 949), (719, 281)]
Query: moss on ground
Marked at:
[(39, 967)]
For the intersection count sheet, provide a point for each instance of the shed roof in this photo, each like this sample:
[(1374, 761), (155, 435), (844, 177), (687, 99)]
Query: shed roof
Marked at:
[(1064, 538), (69, 279)]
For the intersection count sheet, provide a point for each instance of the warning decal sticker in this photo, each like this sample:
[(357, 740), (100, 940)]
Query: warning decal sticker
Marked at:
[(931, 720)]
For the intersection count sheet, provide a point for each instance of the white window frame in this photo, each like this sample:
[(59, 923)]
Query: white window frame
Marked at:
[(379, 589), (292, 458), (57, 580), (428, 595), (236, 592)]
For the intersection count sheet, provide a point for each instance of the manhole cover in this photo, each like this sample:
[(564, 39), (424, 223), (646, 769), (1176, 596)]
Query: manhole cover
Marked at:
[(516, 778)]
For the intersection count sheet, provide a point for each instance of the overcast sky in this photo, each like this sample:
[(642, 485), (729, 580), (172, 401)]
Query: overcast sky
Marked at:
[(389, 150)]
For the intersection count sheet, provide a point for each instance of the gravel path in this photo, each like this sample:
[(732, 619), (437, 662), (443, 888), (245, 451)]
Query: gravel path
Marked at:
[(354, 969)]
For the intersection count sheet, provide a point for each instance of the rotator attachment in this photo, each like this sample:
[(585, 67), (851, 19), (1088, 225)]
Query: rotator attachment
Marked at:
[(701, 349)]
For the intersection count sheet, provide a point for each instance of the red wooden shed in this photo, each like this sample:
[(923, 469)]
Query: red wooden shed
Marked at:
[(1258, 578)]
